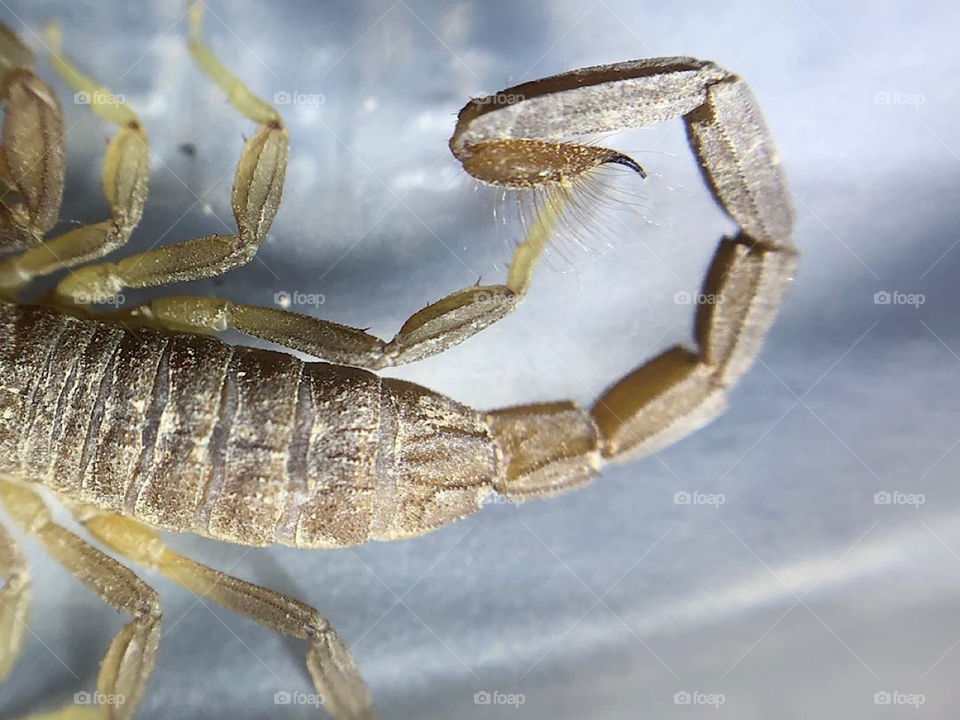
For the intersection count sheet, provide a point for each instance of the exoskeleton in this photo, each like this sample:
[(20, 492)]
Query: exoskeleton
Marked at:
[(141, 421)]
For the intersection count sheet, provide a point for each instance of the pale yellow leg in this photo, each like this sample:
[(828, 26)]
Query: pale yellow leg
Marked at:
[(328, 659), (239, 94), (257, 188), (14, 602), (256, 197), (125, 178), (88, 91), (432, 330), (130, 659)]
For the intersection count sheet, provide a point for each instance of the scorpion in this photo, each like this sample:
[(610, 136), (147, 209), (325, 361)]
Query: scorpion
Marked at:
[(141, 420)]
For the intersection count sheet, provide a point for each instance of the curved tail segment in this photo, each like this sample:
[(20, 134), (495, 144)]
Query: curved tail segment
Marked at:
[(551, 448)]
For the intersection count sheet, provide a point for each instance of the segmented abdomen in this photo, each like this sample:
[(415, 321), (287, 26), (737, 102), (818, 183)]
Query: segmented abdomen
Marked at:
[(187, 433)]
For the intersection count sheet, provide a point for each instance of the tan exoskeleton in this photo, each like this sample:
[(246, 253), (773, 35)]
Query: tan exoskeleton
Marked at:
[(162, 428)]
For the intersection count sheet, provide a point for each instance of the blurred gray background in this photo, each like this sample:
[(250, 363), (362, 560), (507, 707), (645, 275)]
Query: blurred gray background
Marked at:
[(803, 594)]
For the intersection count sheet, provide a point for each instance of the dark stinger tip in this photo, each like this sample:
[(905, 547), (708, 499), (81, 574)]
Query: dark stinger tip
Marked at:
[(627, 161)]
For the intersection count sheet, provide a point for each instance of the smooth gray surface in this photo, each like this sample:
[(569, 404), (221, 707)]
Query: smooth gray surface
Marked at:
[(800, 596)]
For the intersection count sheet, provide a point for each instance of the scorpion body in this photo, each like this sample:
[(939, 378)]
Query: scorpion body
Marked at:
[(187, 433), (141, 421)]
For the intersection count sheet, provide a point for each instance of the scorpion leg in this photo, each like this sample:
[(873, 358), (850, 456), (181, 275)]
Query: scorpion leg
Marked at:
[(257, 187), (328, 659), (130, 659), (14, 602), (428, 332), (515, 139), (31, 149), (125, 177)]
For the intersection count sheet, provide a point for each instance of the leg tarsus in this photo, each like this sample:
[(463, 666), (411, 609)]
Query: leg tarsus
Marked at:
[(240, 95), (101, 100), (328, 659), (129, 661), (257, 189), (430, 331)]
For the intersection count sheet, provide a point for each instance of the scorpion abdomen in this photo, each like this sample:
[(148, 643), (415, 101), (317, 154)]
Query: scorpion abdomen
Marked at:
[(246, 445)]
